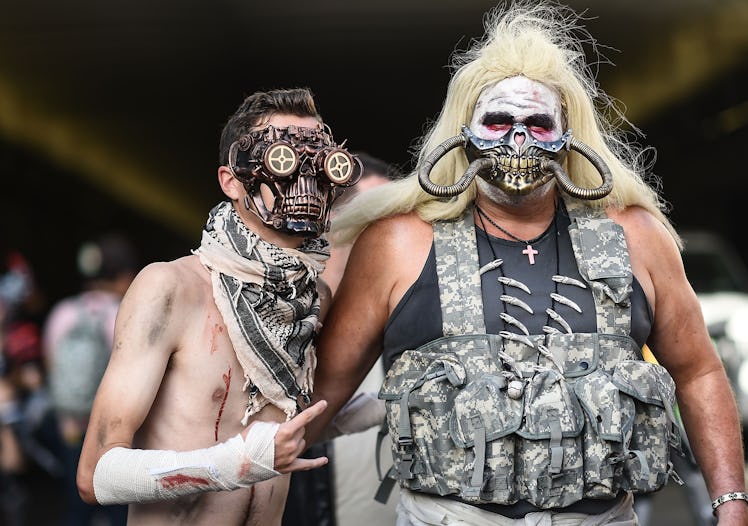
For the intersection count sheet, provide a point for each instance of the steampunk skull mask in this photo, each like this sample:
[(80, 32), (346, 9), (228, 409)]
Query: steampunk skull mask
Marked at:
[(303, 168), (515, 142)]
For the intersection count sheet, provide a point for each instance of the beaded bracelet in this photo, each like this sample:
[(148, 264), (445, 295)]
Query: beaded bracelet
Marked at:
[(733, 495)]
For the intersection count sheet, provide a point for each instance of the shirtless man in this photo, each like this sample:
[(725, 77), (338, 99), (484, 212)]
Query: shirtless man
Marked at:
[(479, 295), (197, 419)]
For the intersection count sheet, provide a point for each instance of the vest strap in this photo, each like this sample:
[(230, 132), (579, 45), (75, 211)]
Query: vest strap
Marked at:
[(603, 260), (457, 269)]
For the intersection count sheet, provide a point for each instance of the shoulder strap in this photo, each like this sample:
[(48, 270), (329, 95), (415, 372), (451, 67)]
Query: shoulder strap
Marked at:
[(602, 256), (600, 250), (457, 270)]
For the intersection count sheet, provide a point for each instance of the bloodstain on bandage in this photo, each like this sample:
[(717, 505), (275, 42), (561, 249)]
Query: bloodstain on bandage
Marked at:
[(227, 382), (174, 481), (245, 468)]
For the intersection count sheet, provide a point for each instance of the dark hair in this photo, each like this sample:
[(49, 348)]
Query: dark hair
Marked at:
[(107, 258), (373, 167), (376, 166), (261, 106)]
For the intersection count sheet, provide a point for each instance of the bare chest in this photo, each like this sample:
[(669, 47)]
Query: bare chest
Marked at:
[(202, 398)]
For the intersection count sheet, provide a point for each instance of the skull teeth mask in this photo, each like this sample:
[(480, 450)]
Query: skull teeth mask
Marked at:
[(518, 158), (517, 122), (303, 200), (514, 142), (303, 168)]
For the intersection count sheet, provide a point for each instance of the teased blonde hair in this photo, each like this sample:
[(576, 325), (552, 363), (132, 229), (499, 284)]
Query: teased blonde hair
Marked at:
[(544, 43)]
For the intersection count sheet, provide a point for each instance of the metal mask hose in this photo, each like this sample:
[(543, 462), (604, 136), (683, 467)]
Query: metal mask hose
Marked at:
[(568, 186), (424, 172)]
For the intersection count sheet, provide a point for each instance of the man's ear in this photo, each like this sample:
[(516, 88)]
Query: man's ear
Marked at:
[(230, 185)]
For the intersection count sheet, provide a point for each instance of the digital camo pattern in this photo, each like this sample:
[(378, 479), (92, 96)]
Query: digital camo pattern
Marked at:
[(457, 255), (589, 419), (602, 257)]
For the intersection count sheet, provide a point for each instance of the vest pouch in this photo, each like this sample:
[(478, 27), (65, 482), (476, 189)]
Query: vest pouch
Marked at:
[(608, 418), (549, 443), (602, 257), (483, 422), (654, 429), (419, 391)]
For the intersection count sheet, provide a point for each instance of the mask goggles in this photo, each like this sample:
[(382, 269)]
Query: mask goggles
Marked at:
[(303, 168)]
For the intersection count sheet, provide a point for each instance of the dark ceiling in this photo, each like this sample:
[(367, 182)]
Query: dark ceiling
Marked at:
[(110, 112)]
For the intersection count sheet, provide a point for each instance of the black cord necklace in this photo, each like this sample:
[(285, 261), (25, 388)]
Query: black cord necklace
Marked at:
[(529, 251)]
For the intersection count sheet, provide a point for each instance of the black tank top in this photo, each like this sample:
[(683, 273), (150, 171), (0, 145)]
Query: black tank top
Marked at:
[(417, 318)]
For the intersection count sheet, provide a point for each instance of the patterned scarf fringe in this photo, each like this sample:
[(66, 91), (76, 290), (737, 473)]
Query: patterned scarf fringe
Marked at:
[(268, 299)]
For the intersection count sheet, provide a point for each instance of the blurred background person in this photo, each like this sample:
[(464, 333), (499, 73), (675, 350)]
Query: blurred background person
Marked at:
[(353, 456), (28, 439), (376, 172), (78, 338), (11, 458), (342, 492)]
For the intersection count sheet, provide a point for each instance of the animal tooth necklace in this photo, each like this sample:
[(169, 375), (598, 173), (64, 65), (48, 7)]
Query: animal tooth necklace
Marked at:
[(529, 251), (516, 385)]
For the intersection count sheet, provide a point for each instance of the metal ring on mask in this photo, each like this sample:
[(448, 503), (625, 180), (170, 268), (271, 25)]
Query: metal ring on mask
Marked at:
[(280, 159), (338, 166), (565, 182), (484, 163)]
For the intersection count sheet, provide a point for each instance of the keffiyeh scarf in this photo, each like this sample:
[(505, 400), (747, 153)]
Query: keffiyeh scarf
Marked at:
[(267, 296)]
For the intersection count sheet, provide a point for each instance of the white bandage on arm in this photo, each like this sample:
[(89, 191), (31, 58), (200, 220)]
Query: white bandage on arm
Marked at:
[(136, 475)]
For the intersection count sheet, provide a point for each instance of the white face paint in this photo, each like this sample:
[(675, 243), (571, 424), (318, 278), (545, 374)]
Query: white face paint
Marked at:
[(527, 117), (518, 100)]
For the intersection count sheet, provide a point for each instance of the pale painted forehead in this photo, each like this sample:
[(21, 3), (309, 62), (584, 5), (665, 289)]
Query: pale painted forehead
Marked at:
[(518, 96)]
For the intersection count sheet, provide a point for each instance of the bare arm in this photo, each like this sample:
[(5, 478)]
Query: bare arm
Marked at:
[(152, 321), (681, 343), (385, 260), (146, 334)]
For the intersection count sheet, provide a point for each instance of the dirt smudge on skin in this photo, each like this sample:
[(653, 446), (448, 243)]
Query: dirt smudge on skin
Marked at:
[(161, 322)]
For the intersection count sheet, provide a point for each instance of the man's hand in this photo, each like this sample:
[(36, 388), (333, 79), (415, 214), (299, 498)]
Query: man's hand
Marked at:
[(290, 443)]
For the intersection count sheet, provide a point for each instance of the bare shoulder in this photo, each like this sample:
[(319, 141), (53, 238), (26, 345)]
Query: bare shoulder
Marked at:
[(185, 269), (394, 238), (655, 257), (649, 241), (387, 258), (181, 277), (394, 231), (384, 262), (640, 225), (161, 300)]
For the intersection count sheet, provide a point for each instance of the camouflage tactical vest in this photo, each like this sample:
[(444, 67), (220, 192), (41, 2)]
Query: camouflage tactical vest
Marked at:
[(549, 419)]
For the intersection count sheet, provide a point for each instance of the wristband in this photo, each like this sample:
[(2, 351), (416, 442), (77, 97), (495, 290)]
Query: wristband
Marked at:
[(733, 495)]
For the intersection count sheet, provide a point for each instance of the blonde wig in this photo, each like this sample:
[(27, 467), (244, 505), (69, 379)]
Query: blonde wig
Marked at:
[(544, 43)]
